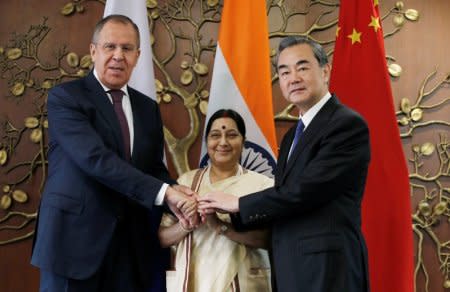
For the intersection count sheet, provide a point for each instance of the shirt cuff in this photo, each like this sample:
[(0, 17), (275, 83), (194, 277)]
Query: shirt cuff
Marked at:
[(161, 194)]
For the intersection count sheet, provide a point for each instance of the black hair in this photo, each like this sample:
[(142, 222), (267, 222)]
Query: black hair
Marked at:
[(226, 113)]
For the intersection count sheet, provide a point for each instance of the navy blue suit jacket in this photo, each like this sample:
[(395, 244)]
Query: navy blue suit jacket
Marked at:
[(90, 186), (314, 208)]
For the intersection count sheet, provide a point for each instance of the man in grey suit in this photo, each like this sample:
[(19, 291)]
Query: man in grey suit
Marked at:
[(314, 208), (106, 178)]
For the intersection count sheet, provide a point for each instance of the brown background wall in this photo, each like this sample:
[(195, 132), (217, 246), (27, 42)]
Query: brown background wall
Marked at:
[(419, 47)]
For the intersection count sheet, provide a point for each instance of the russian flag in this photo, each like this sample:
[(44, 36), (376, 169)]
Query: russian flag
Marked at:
[(143, 76)]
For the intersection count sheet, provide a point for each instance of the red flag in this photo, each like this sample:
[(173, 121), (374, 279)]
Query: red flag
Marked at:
[(360, 79)]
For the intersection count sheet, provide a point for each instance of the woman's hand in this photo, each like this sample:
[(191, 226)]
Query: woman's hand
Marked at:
[(189, 209), (217, 225), (212, 221)]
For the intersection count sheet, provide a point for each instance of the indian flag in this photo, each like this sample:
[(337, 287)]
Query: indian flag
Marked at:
[(242, 81)]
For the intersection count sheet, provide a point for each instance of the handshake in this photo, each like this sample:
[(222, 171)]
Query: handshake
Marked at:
[(192, 210)]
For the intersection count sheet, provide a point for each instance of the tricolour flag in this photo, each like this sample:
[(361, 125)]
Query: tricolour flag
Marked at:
[(360, 79), (143, 76), (241, 80)]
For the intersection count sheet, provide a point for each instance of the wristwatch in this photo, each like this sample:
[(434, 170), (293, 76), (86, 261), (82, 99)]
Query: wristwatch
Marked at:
[(223, 228)]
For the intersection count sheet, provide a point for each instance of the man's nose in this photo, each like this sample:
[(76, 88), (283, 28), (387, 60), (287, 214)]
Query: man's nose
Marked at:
[(296, 77), (118, 54)]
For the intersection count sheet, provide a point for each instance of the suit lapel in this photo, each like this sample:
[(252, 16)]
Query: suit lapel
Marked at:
[(98, 97), (284, 151), (138, 115), (311, 133)]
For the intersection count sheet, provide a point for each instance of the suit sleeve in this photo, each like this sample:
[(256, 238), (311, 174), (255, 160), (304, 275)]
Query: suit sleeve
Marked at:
[(337, 167), (71, 129)]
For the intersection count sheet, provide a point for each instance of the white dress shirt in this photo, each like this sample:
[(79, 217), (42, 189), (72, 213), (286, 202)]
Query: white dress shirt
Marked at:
[(126, 106), (312, 112)]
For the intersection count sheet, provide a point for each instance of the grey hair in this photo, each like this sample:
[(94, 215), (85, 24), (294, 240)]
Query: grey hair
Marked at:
[(118, 18)]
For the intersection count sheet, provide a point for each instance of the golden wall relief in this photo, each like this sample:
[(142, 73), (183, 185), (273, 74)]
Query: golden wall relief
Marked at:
[(22, 67), (183, 36), (429, 173)]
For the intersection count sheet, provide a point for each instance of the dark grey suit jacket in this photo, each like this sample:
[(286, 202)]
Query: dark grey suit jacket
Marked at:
[(314, 208)]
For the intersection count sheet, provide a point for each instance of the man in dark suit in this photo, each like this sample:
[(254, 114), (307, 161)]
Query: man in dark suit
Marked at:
[(314, 209), (106, 175)]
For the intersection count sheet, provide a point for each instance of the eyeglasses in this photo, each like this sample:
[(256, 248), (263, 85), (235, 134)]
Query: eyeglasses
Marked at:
[(111, 47)]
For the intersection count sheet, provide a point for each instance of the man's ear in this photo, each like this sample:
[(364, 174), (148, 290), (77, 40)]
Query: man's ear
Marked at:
[(93, 51), (326, 71)]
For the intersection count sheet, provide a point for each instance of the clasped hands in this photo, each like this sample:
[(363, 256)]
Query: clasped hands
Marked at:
[(182, 201), (193, 210)]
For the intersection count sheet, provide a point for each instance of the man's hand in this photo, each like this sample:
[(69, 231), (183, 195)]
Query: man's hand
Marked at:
[(184, 189), (218, 201), (182, 202)]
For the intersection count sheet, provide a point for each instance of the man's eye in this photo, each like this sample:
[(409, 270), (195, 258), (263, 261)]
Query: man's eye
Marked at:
[(110, 46)]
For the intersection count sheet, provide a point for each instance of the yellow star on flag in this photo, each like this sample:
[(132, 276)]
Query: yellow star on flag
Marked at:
[(375, 23), (337, 31), (376, 2), (355, 36)]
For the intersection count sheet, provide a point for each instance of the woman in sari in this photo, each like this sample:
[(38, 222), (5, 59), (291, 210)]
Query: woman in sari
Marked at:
[(213, 256)]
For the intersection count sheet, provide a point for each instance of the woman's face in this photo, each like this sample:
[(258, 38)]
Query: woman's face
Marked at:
[(224, 143)]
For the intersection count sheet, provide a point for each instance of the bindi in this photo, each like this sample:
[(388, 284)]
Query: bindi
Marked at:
[(224, 127)]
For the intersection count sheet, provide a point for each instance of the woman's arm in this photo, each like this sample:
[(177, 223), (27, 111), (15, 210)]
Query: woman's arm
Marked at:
[(172, 231), (255, 238), (173, 234)]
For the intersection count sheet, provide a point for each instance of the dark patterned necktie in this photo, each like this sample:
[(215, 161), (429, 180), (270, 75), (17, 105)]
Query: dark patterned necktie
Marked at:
[(298, 134), (117, 96)]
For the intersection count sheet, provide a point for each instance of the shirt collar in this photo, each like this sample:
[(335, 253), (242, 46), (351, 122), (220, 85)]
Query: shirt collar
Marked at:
[(106, 89), (312, 112)]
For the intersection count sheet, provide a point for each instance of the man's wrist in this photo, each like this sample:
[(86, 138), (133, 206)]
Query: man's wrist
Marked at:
[(161, 196)]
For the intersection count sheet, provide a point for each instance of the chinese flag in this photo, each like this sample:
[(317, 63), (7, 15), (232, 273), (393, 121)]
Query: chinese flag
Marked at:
[(360, 79)]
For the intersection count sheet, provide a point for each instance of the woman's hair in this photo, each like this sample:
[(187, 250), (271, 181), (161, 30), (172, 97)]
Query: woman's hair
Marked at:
[(226, 113)]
